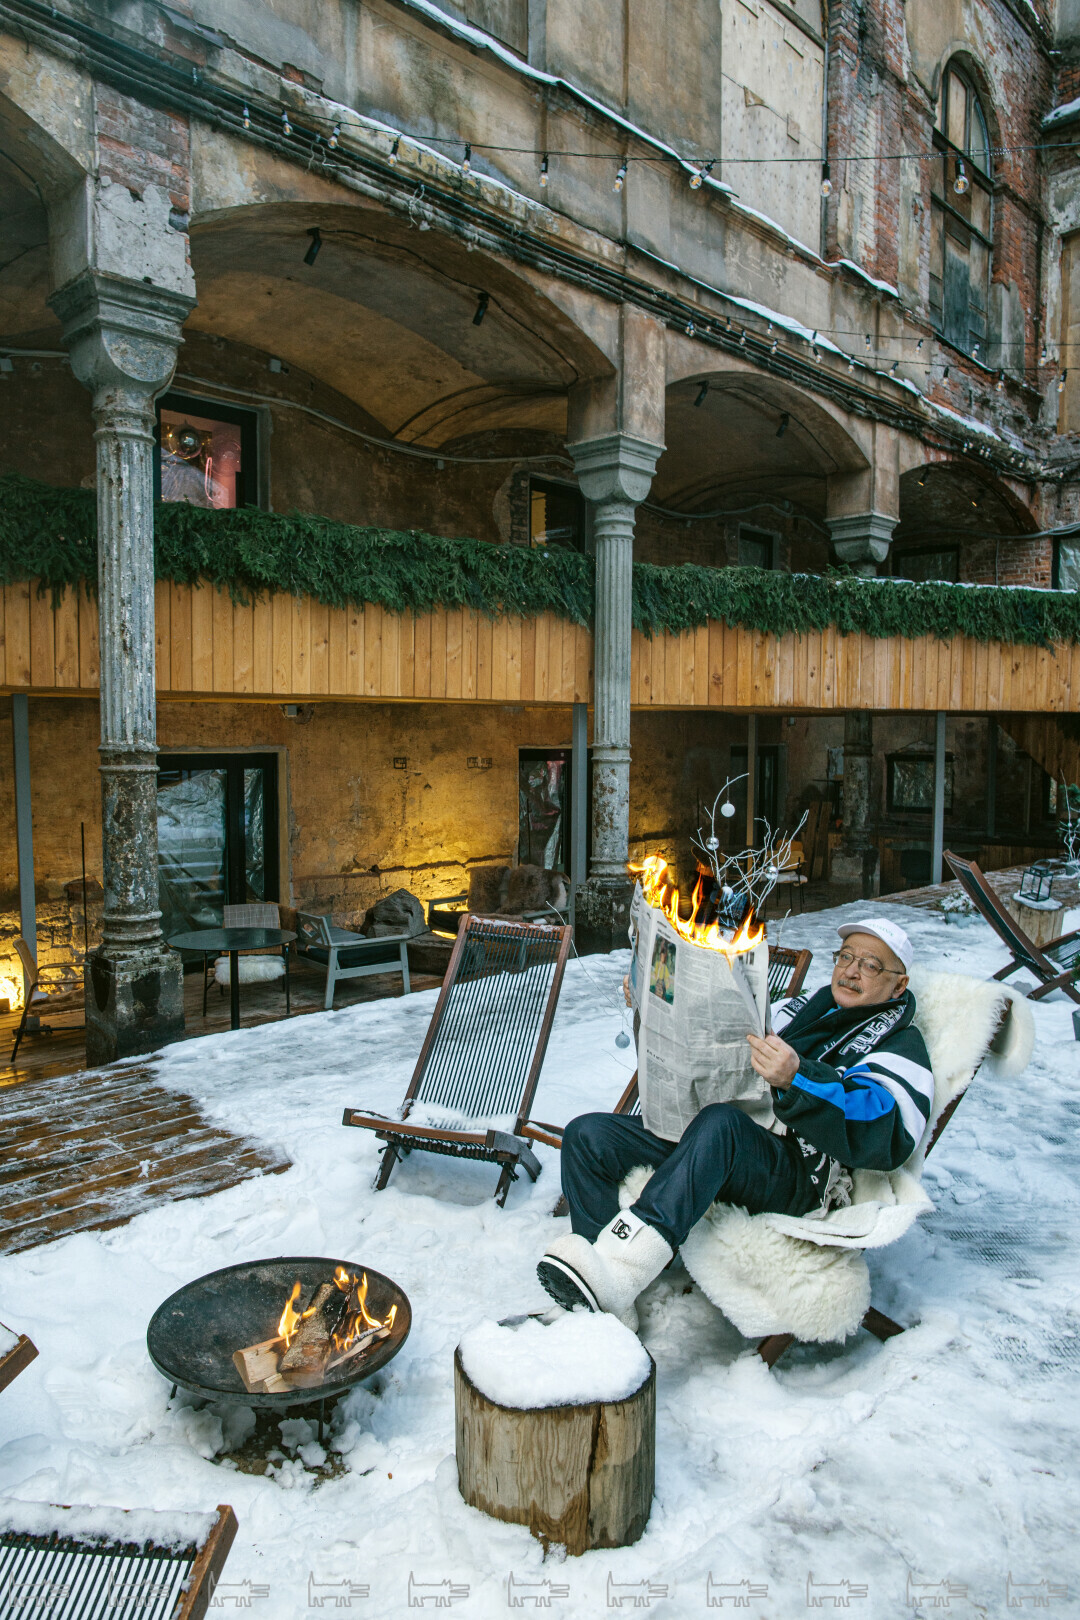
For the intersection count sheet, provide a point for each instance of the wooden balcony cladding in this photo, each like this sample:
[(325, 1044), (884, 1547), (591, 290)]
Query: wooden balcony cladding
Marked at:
[(293, 647), (208, 646)]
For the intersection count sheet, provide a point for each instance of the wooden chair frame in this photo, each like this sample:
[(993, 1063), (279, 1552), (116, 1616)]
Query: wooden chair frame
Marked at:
[(43, 990), (17, 1359), (508, 1149), (315, 934), (1025, 953)]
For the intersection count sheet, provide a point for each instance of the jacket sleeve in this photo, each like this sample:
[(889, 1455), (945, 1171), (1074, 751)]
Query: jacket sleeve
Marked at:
[(871, 1115)]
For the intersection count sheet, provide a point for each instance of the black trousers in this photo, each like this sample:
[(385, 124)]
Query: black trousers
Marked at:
[(722, 1155)]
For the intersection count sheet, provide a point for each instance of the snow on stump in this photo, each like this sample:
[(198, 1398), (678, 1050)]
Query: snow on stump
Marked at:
[(556, 1428), (1041, 920)]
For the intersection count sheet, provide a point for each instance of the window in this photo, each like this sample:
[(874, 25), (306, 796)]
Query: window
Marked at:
[(556, 514), (757, 548), (206, 453), (960, 221), (544, 808), (910, 782), (217, 819), (927, 562), (1066, 575)]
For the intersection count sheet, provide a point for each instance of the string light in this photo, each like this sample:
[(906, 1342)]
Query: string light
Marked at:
[(1044, 357), (826, 182), (544, 170), (247, 117), (620, 178), (699, 176), (689, 328), (894, 368), (1061, 381), (286, 127), (918, 346), (334, 133), (772, 349), (394, 146), (466, 162), (961, 184), (851, 367), (999, 386), (869, 344), (702, 394), (742, 340)]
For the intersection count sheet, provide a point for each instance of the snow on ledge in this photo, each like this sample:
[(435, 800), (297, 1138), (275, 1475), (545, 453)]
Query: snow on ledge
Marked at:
[(175, 1530), (575, 1360), (1068, 109)]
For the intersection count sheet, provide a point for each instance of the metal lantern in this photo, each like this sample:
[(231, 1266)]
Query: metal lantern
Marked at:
[(1036, 883)]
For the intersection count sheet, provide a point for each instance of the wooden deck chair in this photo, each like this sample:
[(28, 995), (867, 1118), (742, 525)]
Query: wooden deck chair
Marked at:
[(480, 1062), (16, 1354), (787, 970), (1053, 965), (98, 1562)]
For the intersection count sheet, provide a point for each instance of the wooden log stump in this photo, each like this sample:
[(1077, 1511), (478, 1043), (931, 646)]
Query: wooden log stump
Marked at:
[(1041, 922), (581, 1476)]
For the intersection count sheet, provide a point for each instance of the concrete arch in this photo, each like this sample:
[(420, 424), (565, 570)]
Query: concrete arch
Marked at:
[(960, 498), (387, 314)]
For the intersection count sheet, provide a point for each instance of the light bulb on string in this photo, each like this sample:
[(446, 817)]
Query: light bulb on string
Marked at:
[(742, 340), (1061, 381), (999, 386), (286, 127), (620, 178), (246, 117), (544, 170), (961, 184), (1043, 357), (851, 367), (394, 148), (772, 347), (466, 162), (334, 133), (918, 346), (869, 344), (689, 328), (826, 182), (699, 176)]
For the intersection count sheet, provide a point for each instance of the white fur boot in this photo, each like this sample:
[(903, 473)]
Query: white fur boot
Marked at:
[(607, 1275)]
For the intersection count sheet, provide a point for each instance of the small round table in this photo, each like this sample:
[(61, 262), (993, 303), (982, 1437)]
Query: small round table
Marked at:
[(235, 940)]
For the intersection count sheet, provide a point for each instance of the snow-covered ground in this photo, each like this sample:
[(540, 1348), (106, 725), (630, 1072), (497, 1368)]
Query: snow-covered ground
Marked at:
[(948, 1453)]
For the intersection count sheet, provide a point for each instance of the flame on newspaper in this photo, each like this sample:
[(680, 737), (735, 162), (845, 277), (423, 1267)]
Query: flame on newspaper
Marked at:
[(660, 890)]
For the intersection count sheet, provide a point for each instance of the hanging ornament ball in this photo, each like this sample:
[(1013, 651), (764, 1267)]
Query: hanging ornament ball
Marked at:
[(712, 843), (772, 872), (622, 1040), (727, 809)]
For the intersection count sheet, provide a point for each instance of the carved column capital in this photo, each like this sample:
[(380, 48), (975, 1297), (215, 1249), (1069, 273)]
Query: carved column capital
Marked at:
[(617, 467), (863, 539), (122, 335)]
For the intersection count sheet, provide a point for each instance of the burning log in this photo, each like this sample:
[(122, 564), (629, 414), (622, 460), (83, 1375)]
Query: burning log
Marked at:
[(334, 1328), (310, 1349)]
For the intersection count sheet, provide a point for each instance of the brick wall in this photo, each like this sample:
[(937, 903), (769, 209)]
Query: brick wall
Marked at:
[(140, 146)]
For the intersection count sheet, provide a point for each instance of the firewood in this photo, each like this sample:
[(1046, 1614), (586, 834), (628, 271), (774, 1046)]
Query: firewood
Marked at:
[(257, 1363), (312, 1343), (364, 1342)]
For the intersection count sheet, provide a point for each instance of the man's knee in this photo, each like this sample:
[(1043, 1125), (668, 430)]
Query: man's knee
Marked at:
[(719, 1121), (584, 1134)]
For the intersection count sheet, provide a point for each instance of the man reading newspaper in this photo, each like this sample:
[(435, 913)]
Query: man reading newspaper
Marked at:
[(851, 1088)]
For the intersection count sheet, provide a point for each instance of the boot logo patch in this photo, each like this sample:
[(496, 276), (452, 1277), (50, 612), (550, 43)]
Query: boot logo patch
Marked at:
[(621, 1229)]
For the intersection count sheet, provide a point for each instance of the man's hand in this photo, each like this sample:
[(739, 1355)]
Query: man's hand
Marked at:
[(626, 991), (774, 1060)]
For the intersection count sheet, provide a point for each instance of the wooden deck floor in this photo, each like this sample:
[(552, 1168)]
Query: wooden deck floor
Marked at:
[(87, 1153)]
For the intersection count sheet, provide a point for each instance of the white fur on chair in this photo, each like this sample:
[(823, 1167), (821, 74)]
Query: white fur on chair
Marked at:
[(253, 969), (778, 1274)]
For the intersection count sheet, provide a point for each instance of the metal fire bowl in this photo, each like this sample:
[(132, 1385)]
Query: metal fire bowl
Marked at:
[(192, 1336)]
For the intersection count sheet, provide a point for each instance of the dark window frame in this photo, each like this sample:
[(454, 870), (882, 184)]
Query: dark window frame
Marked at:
[(755, 535), (948, 154), (927, 550), (234, 766), (917, 758), (246, 420), (581, 542)]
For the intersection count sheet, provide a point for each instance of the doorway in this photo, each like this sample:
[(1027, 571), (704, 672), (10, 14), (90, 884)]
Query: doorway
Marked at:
[(768, 796), (217, 818), (544, 808)]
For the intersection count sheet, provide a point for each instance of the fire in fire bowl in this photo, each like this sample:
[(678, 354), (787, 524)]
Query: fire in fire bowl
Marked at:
[(193, 1336)]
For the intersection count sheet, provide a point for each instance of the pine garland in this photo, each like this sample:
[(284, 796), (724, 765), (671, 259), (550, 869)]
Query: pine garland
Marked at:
[(49, 534)]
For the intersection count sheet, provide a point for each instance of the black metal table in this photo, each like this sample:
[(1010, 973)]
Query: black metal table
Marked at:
[(235, 940)]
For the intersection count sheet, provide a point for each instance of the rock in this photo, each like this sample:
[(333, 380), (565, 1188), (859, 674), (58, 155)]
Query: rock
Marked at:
[(397, 913)]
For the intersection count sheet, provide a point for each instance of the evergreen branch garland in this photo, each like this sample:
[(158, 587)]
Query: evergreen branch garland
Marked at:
[(49, 534)]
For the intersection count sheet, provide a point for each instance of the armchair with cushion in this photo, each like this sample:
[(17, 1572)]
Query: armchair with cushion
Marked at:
[(347, 955)]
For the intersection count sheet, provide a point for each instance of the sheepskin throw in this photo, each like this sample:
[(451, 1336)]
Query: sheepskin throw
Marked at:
[(253, 969)]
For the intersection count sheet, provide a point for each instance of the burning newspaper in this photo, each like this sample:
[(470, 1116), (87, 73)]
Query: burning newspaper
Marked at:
[(697, 1002)]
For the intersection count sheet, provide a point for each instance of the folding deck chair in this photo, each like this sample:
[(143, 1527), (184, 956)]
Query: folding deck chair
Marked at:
[(92, 1563), (16, 1354), (1054, 964), (787, 970), (483, 1051)]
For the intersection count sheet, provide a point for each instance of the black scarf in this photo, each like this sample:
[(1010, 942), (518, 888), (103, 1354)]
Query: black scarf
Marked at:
[(841, 1035)]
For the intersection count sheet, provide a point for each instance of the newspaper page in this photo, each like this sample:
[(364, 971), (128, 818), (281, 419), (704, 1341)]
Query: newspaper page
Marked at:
[(695, 1012)]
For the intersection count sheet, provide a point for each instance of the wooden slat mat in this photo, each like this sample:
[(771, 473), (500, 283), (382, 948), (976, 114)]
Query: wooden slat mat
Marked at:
[(95, 1151)]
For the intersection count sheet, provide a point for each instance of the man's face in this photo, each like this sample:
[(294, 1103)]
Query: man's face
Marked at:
[(857, 985)]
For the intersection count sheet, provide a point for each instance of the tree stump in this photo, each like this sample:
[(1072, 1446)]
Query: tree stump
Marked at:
[(578, 1475), (1041, 922)]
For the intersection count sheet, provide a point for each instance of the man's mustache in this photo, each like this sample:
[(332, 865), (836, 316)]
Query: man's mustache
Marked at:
[(851, 984)]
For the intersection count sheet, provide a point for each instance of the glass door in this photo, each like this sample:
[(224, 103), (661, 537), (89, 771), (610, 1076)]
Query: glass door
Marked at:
[(217, 836), (544, 808)]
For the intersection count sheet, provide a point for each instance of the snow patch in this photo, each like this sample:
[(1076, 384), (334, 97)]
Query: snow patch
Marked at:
[(579, 1358)]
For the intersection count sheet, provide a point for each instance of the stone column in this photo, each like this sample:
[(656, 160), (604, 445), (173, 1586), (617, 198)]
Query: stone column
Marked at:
[(856, 861), (862, 540), (614, 473), (122, 336)]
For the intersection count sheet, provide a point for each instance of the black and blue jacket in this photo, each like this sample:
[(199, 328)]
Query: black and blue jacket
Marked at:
[(864, 1089)]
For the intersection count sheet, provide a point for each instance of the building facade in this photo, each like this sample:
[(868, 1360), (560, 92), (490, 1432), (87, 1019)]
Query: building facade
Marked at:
[(762, 285)]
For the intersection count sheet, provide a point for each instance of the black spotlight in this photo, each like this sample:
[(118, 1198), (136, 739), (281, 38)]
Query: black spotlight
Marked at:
[(782, 429), (316, 244), (702, 394), (481, 308)]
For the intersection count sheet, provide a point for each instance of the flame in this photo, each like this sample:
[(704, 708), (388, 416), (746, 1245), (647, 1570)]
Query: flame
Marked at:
[(290, 1316), (358, 1319), (343, 1280), (660, 890)]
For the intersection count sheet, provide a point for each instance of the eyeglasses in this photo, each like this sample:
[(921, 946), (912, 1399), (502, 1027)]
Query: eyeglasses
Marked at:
[(865, 964)]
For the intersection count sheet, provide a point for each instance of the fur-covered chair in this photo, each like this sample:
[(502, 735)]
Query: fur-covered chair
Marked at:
[(774, 1275)]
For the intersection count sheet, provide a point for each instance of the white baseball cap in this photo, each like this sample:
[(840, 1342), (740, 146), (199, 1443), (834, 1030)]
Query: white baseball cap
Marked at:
[(890, 934)]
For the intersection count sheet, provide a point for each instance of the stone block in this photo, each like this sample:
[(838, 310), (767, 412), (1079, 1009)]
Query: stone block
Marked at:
[(134, 1003)]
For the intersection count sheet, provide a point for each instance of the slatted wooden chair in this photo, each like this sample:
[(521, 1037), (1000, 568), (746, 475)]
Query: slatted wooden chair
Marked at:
[(787, 970), (478, 1068), (98, 1562), (1053, 965), (54, 987)]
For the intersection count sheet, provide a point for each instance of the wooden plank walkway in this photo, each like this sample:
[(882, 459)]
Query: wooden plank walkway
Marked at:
[(83, 1155)]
